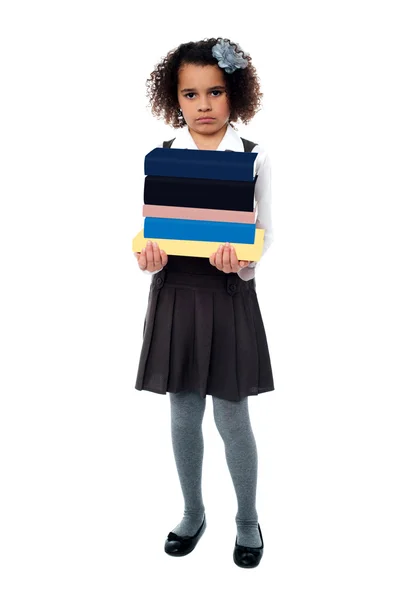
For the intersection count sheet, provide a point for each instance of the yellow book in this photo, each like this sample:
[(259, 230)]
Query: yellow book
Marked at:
[(251, 252)]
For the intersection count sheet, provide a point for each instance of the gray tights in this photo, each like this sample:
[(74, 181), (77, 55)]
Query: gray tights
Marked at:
[(233, 423)]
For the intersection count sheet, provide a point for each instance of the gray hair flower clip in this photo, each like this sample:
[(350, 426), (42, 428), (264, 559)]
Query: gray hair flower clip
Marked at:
[(228, 59)]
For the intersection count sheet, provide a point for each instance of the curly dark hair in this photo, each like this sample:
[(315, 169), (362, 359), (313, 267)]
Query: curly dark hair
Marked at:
[(242, 86)]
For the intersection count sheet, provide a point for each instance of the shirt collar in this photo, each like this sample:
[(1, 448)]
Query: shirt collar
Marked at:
[(230, 141)]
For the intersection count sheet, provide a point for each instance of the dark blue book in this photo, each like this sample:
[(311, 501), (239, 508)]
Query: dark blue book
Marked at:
[(200, 231), (206, 164), (199, 193)]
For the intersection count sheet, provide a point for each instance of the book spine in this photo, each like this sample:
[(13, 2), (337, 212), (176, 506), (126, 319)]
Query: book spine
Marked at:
[(199, 193), (203, 231), (198, 214), (190, 168)]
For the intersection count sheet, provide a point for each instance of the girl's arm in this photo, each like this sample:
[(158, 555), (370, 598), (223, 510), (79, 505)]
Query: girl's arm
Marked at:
[(263, 203)]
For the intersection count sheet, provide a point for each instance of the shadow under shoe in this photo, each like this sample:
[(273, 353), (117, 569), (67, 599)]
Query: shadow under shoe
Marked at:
[(247, 557), (180, 545)]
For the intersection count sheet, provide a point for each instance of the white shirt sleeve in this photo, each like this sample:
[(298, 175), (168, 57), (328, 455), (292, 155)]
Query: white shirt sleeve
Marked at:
[(263, 200), (150, 272)]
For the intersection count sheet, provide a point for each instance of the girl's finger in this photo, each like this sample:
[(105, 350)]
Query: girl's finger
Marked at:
[(143, 260), (219, 258), (226, 257), (157, 256), (234, 259), (164, 258), (150, 256)]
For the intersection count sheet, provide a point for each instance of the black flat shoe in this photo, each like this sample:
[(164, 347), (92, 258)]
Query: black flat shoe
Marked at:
[(246, 557), (177, 545)]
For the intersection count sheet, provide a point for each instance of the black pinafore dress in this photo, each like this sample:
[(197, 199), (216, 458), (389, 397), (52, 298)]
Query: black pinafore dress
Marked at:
[(203, 332)]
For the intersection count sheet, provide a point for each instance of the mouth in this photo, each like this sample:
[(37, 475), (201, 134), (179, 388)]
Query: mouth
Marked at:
[(205, 119)]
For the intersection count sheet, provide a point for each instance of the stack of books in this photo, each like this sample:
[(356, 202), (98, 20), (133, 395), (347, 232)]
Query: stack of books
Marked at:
[(196, 200)]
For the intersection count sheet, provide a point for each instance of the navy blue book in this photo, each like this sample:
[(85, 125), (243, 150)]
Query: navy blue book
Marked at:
[(200, 193), (200, 231), (207, 164)]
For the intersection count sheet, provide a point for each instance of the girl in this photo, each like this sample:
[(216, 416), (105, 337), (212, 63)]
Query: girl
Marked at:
[(203, 331)]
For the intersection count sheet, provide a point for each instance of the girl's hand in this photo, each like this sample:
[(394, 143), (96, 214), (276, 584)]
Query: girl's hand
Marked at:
[(225, 259), (151, 258)]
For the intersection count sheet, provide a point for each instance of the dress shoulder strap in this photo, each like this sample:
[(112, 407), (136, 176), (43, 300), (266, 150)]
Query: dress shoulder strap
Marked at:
[(248, 146)]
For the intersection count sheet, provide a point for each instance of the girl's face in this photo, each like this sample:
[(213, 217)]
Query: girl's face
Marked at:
[(201, 92)]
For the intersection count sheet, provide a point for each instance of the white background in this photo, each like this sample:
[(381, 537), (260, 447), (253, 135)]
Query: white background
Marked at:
[(89, 489)]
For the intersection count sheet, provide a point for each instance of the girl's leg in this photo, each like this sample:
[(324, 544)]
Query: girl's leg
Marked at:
[(233, 422), (187, 412)]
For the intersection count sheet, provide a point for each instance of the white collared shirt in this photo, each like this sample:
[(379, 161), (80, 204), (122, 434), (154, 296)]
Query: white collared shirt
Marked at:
[(232, 141)]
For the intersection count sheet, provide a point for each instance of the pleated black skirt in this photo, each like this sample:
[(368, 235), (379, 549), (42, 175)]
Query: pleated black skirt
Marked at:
[(204, 333)]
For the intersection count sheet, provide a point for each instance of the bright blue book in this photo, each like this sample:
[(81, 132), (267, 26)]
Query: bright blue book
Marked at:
[(206, 164), (200, 231)]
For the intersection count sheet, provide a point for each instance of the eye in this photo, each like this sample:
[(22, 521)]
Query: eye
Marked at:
[(190, 95)]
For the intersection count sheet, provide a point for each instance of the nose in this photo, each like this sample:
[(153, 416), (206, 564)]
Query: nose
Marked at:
[(204, 104)]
